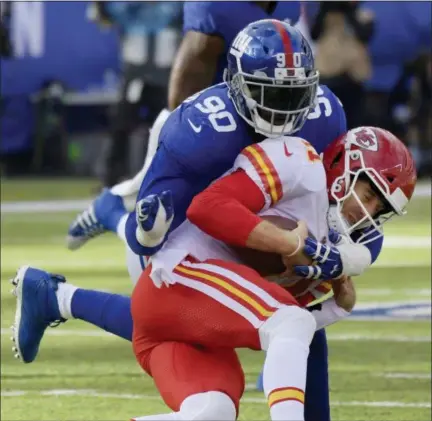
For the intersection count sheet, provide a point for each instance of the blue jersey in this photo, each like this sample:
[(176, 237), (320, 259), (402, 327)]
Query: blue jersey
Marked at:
[(402, 32), (227, 18), (201, 140)]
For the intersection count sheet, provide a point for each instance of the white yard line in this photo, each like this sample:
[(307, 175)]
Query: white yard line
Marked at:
[(406, 241), (95, 394), (330, 337), (378, 338), (390, 304), (45, 206), (382, 292), (426, 376)]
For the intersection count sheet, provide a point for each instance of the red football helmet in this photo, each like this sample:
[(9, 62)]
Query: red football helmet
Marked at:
[(389, 166)]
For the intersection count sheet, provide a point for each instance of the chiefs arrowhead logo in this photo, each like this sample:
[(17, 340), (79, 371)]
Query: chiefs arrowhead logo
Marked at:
[(365, 138)]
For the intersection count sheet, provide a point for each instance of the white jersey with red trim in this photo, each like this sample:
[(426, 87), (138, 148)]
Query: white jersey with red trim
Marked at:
[(292, 179)]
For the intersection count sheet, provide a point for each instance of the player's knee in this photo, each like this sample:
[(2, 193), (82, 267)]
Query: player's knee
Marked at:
[(290, 323), (208, 406)]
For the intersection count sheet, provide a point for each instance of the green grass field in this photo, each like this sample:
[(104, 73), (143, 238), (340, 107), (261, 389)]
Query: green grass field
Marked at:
[(380, 370)]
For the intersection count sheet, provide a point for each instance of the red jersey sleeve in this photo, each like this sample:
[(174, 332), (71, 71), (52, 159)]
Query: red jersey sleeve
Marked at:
[(227, 209)]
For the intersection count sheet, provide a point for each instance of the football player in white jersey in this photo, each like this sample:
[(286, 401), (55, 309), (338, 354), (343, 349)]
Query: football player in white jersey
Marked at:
[(213, 301), (218, 304)]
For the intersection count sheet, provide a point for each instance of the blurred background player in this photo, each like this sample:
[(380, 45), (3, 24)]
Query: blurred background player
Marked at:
[(150, 33), (209, 29), (341, 31), (374, 57)]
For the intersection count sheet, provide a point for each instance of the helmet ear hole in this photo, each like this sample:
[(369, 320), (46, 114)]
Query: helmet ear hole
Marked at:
[(336, 160), (390, 179)]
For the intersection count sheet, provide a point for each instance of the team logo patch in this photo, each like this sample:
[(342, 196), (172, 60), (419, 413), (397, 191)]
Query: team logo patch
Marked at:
[(365, 138), (240, 44)]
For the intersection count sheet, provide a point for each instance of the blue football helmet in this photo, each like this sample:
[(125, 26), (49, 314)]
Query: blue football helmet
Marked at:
[(272, 77)]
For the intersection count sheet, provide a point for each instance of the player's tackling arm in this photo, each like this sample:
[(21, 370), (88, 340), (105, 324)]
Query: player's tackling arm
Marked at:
[(227, 209), (264, 174)]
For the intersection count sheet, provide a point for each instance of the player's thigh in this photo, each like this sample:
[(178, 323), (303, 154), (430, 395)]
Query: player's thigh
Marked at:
[(212, 303), (180, 370)]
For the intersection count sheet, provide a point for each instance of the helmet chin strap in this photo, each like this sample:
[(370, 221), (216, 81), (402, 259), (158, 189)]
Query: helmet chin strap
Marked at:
[(337, 222)]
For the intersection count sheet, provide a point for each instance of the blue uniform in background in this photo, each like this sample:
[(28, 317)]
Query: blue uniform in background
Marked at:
[(226, 19), (402, 31), (199, 143)]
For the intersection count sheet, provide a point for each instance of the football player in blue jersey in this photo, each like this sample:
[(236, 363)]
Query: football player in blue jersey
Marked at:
[(209, 29), (272, 89)]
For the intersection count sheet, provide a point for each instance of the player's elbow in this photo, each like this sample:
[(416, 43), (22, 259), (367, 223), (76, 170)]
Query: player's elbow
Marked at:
[(132, 241), (197, 211)]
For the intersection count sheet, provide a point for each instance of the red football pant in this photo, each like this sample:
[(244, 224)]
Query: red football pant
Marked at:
[(185, 334)]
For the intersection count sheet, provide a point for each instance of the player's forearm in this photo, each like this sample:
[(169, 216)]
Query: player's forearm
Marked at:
[(268, 237), (194, 67), (224, 219), (328, 313), (227, 210)]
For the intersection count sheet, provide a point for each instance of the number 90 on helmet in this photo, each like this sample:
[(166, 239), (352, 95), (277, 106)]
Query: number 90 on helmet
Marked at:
[(272, 77)]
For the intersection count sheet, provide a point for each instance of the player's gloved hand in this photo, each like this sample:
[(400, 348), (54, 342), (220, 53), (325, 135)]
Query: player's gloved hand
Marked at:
[(327, 258), (154, 215)]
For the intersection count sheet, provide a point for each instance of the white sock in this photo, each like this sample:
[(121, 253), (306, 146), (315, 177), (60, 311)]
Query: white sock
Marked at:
[(201, 406), (64, 295), (172, 416), (121, 228), (284, 376)]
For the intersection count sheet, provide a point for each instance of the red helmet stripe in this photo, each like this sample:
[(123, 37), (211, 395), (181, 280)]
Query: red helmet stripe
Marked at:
[(286, 40)]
